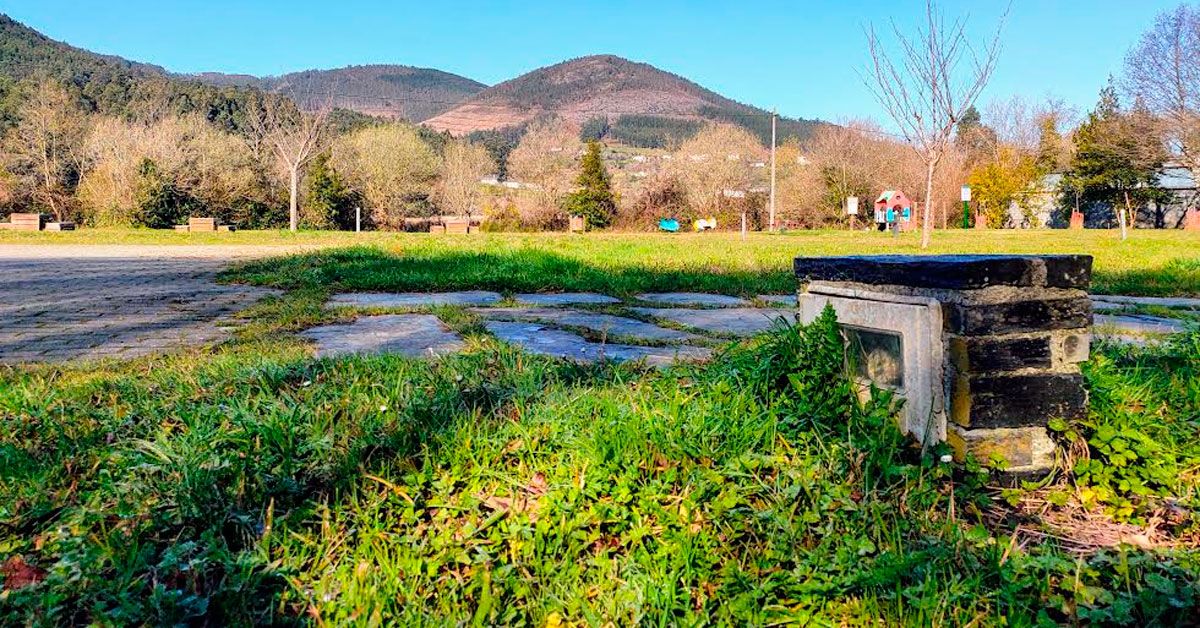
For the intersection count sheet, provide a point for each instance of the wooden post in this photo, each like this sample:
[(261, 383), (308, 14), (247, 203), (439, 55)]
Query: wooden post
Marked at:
[(357, 219)]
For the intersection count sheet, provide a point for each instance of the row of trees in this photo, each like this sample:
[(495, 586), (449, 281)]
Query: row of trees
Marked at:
[(107, 170), (927, 81), (277, 165)]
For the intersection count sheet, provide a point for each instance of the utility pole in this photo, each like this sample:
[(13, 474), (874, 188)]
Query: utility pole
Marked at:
[(772, 211)]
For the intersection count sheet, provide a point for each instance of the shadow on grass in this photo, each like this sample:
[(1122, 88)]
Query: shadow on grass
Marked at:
[(1179, 277), (368, 268)]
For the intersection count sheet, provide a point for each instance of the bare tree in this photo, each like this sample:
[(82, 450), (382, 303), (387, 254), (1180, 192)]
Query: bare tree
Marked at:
[(295, 137), (1163, 73), (718, 163), (393, 169), (45, 146), (546, 158), (458, 188), (935, 77)]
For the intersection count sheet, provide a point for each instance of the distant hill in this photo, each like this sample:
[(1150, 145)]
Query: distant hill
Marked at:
[(391, 91), (635, 98), (633, 103), (108, 84)]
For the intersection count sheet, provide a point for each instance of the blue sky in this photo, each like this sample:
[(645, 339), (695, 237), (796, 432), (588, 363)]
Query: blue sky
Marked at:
[(802, 57)]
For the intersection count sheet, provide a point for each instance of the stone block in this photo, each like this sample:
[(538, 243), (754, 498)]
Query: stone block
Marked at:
[(950, 272), (1073, 347), (1023, 449), (1068, 271), (976, 355), (1007, 401), (985, 319)]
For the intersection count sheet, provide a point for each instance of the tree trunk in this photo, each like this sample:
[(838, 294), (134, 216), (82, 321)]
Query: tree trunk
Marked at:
[(1121, 220), (927, 213), (293, 204)]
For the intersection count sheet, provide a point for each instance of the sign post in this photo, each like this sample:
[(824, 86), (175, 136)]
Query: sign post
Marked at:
[(966, 200), (357, 219), (852, 209)]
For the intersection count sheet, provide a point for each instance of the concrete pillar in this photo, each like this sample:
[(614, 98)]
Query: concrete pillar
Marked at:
[(1004, 360)]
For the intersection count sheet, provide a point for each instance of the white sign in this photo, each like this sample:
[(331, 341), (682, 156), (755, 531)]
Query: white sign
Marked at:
[(966, 194), (852, 205)]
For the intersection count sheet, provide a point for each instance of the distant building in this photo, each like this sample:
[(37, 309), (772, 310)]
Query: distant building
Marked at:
[(1045, 206)]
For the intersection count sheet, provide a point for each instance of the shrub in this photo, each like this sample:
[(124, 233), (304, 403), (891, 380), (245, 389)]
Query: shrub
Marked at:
[(158, 201)]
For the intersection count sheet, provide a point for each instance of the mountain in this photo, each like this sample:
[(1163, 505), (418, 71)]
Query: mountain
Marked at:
[(392, 91), (109, 84), (605, 87)]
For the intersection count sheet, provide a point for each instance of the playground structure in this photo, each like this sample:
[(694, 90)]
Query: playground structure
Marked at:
[(893, 210), (671, 225)]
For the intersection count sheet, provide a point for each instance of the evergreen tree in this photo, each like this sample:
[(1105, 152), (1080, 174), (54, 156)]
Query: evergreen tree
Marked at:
[(977, 140), (1118, 157), (1050, 145), (594, 198), (160, 203), (330, 202)]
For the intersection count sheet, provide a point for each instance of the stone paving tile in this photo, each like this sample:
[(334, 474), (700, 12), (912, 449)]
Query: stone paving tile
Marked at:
[(566, 298), (1136, 324), (63, 302), (1101, 301), (415, 299), (727, 321), (779, 300), (602, 323), (413, 335), (543, 340), (692, 299)]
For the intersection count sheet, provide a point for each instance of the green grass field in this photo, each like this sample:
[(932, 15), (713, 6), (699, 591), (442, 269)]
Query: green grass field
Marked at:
[(249, 483), (1152, 263)]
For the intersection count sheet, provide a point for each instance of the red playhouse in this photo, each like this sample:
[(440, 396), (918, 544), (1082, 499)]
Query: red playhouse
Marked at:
[(893, 208)]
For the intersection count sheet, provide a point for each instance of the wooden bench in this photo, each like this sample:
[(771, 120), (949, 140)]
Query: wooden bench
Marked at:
[(458, 227), (202, 224), (24, 222)]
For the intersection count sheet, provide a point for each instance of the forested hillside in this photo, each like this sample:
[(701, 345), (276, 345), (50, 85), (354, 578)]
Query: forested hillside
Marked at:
[(643, 104), (391, 91), (106, 84)]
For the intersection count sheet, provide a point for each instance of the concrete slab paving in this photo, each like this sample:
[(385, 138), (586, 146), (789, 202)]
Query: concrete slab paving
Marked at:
[(601, 323), (779, 300), (1135, 324), (543, 340), (566, 298), (80, 301), (741, 321), (413, 335), (1109, 301), (415, 299), (692, 299)]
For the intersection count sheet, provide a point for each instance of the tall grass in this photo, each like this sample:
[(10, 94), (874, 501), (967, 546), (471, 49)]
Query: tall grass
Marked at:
[(254, 485)]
